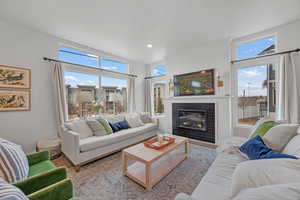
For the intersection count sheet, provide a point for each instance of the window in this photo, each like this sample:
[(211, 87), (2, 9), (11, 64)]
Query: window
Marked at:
[(78, 57), (113, 65), (159, 70), (256, 93), (159, 89), (256, 48), (255, 82), (92, 94)]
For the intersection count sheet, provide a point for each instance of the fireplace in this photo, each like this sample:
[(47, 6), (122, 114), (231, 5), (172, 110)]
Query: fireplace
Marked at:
[(194, 120)]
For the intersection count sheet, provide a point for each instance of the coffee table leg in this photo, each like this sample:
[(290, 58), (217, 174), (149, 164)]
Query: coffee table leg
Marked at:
[(148, 177), (125, 163), (186, 144)]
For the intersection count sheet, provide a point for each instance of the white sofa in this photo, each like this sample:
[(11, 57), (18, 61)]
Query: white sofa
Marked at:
[(81, 151), (217, 184)]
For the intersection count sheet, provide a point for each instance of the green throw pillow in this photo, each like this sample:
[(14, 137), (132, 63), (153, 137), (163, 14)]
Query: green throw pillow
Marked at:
[(106, 125), (262, 129)]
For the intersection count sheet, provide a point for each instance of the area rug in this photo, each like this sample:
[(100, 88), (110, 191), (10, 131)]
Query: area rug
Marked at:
[(103, 179)]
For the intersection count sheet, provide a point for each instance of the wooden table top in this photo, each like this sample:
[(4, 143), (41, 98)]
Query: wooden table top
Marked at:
[(148, 155)]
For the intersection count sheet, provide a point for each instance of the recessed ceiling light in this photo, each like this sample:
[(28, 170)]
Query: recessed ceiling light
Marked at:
[(149, 45)]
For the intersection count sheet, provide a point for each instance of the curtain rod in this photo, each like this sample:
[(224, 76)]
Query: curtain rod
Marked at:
[(105, 70), (273, 54), (157, 76)]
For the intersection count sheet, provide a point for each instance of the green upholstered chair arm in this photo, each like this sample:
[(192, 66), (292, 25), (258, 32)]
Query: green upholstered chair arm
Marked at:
[(62, 190), (37, 157), (37, 182)]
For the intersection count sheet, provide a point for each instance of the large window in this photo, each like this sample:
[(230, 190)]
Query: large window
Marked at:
[(91, 94), (255, 81)]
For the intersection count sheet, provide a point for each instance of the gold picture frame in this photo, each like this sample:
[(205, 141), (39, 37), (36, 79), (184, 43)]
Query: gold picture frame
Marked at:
[(15, 100), (15, 77)]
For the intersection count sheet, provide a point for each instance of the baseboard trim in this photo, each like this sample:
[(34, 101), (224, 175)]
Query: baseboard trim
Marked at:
[(202, 143)]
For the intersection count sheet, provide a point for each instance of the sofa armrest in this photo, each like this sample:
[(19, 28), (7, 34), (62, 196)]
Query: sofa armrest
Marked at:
[(37, 182), (62, 190), (37, 157), (70, 143), (183, 196)]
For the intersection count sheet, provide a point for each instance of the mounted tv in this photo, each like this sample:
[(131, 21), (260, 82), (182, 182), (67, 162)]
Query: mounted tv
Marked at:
[(195, 83)]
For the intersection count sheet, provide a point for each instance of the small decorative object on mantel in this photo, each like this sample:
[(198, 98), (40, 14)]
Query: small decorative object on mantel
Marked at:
[(15, 88), (156, 143)]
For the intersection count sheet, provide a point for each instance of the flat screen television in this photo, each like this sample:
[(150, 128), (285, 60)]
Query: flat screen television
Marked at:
[(195, 83)]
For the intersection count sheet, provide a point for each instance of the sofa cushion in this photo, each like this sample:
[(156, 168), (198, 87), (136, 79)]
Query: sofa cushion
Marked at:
[(263, 128), (257, 173), (289, 191), (10, 192), (40, 167), (80, 127), (114, 118), (97, 128), (13, 162), (115, 127), (105, 124), (255, 148), (219, 177), (278, 136), (91, 143), (258, 123), (134, 120), (293, 147), (145, 117)]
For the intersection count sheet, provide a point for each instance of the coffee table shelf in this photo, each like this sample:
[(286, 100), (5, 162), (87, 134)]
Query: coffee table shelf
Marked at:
[(151, 165)]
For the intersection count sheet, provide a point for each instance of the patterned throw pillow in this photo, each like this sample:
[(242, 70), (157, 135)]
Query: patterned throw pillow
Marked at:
[(13, 162), (105, 124), (10, 192), (96, 127)]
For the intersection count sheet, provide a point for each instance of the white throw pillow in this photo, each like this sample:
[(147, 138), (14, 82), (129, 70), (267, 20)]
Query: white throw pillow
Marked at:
[(80, 127), (278, 136), (145, 117), (257, 173), (289, 191), (293, 147), (114, 118), (260, 122), (134, 120)]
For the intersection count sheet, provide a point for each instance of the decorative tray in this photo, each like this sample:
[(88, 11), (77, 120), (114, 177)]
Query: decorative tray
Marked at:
[(154, 144)]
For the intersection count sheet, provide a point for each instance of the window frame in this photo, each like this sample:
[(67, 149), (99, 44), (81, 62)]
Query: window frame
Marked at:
[(234, 82), (156, 65), (90, 70)]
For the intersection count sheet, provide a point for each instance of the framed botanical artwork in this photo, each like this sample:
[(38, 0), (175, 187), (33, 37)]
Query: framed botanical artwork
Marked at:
[(15, 77), (15, 100)]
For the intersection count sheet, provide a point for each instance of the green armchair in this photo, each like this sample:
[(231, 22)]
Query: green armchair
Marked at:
[(39, 162), (50, 185)]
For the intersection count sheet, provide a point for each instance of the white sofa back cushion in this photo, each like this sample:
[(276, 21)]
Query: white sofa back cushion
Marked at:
[(257, 173), (80, 127), (114, 118), (278, 136), (293, 147), (134, 120), (289, 191)]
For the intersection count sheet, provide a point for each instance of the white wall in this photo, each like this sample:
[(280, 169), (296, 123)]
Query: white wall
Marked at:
[(25, 48), (218, 55)]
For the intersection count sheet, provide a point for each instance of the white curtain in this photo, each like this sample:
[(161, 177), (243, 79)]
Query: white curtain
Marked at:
[(59, 94), (131, 95), (288, 109), (148, 100)]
